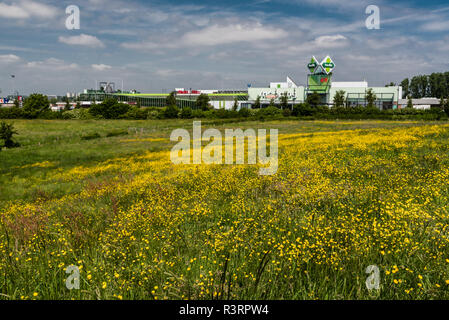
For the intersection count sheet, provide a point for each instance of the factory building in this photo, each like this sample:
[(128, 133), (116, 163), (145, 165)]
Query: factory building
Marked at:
[(320, 82)]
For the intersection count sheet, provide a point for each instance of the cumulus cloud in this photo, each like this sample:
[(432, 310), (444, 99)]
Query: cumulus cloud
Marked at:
[(215, 35), (52, 64), (436, 26), (26, 9), (9, 58), (101, 67), (82, 40), (336, 41)]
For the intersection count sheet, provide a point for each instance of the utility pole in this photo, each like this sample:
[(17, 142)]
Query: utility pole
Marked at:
[(13, 77)]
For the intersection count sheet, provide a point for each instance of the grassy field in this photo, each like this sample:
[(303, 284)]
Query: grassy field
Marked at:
[(104, 196)]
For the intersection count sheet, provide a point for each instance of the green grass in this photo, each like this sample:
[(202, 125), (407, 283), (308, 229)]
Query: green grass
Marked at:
[(346, 199)]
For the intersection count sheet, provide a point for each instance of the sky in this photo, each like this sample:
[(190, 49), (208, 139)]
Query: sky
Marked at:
[(156, 46)]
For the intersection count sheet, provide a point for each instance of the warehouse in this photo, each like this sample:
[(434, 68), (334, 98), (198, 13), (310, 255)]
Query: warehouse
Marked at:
[(320, 82)]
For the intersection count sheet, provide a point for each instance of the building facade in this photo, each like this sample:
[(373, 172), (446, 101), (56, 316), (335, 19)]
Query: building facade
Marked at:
[(320, 82)]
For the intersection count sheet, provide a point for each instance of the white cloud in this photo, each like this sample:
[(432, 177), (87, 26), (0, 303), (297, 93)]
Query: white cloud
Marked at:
[(168, 73), (213, 36), (436, 26), (101, 67), (12, 12), (52, 64), (217, 35), (9, 58), (336, 41), (26, 9), (317, 45), (39, 10), (82, 40)]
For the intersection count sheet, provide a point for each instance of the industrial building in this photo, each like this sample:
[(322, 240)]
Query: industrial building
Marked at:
[(319, 81)]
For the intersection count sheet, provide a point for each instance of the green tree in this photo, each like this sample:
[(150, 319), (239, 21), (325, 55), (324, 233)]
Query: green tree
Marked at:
[(303, 110), (109, 109), (405, 88), (67, 104), (171, 112), (340, 98), (235, 106), (16, 103), (410, 103), (171, 99), (371, 98), (414, 88), (202, 102), (36, 103), (272, 103), (446, 106), (257, 103), (186, 113), (314, 99), (6, 133), (284, 100)]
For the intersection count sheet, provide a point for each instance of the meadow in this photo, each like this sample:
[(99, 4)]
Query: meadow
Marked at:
[(104, 196)]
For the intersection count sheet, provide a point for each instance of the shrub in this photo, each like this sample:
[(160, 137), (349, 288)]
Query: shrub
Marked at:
[(244, 113), (109, 109), (198, 114), (12, 113), (6, 133), (171, 112), (270, 111), (135, 113), (186, 113), (154, 115), (77, 114), (286, 112), (303, 110)]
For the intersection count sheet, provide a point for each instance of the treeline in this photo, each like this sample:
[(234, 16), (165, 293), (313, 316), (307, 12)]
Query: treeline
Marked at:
[(36, 108), (435, 85)]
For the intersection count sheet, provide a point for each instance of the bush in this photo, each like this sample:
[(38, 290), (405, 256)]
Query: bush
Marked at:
[(6, 133), (12, 113), (286, 113), (244, 113), (135, 113), (153, 114), (186, 113), (171, 112), (77, 114), (198, 114), (109, 109), (270, 112), (303, 110)]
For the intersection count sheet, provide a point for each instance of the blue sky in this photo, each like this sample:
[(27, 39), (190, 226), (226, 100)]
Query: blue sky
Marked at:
[(155, 46)]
